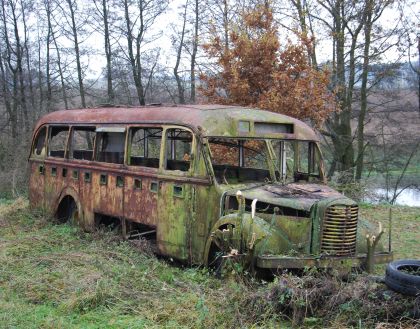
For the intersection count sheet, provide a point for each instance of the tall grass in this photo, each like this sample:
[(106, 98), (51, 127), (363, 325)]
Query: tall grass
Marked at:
[(57, 276)]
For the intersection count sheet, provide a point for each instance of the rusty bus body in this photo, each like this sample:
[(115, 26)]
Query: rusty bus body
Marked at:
[(175, 172)]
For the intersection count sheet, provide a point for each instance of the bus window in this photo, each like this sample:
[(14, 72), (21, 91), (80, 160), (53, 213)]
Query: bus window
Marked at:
[(178, 149), (58, 141), (110, 146), (145, 147), (82, 143), (238, 161), (39, 145)]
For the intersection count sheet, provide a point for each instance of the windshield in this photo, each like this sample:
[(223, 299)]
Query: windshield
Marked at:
[(237, 161), (297, 160)]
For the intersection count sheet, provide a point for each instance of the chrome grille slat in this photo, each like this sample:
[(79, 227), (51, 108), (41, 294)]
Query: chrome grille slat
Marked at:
[(339, 231)]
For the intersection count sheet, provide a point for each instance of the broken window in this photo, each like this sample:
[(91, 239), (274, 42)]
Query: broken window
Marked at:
[(58, 141), (239, 161), (39, 144), (82, 143), (145, 147), (178, 149), (296, 160), (110, 144)]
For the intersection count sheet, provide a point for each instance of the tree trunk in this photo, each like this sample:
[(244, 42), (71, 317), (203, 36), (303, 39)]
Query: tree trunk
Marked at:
[(134, 58), (41, 92), (28, 65), (6, 97), (76, 49), (181, 97), (303, 13), (194, 54), (363, 91), (108, 53), (60, 72), (48, 71), (19, 67)]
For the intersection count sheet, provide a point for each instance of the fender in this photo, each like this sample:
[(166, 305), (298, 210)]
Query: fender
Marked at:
[(253, 231), (69, 191), (231, 219)]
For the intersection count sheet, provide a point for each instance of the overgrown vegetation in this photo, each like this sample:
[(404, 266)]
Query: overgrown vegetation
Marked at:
[(58, 276)]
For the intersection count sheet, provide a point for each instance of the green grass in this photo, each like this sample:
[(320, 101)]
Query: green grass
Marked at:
[(56, 276), (405, 229)]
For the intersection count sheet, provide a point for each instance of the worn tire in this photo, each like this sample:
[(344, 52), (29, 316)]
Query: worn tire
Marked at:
[(401, 281)]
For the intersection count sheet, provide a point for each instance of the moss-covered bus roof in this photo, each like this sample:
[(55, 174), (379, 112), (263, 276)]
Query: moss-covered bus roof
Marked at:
[(210, 120)]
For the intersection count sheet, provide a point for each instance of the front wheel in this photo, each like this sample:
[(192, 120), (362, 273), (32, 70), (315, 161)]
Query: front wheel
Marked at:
[(224, 251)]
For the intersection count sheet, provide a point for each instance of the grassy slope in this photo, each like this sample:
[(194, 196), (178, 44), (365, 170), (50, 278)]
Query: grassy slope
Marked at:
[(55, 276)]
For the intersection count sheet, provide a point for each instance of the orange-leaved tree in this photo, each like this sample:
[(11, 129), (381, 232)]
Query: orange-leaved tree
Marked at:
[(256, 71)]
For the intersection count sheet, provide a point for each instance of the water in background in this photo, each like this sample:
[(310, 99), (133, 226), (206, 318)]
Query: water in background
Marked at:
[(408, 197)]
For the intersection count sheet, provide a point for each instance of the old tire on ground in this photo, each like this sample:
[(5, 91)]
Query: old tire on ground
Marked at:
[(404, 276)]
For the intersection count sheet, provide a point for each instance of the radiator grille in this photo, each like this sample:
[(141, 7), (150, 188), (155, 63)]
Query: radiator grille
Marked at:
[(339, 230)]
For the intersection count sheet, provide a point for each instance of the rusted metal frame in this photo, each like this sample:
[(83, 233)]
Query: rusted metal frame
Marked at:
[(206, 153), (311, 158), (271, 160), (321, 164), (163, 157), (139, 235), (66, 146), (34, 135), (71, 139)]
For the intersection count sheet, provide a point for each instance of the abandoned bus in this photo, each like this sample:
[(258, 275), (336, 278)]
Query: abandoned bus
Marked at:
[(206, 183)]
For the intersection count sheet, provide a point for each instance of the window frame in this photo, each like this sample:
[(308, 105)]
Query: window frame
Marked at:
[(66, 145), (129, 138), (35, 139), (164, 160), (71, 145), (108, 128)]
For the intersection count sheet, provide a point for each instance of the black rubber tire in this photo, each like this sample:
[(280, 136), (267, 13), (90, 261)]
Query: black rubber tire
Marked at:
[(401, 281)]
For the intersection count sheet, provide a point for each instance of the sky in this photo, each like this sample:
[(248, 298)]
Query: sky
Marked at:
[(97, 62)]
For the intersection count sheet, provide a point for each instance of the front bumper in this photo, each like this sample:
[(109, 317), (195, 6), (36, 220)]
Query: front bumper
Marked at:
[(277, 262)]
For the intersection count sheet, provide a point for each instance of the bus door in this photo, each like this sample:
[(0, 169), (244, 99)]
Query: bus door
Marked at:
[(109, 180), (56, 176), (37, 167), (142, 187), (175, 193)]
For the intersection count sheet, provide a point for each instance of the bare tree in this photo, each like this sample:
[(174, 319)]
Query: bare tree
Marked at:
[(178, 41), (139, 18), (194, 51), (72, 7), (103, 10)]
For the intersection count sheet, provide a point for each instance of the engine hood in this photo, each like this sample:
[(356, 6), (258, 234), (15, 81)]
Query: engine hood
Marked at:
[(299, 196)]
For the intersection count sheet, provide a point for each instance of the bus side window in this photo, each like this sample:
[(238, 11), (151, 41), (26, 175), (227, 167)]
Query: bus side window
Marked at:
[(110, 147), (145, 147), (58, 141), (82, 143), (39, 144), (178, 149)]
